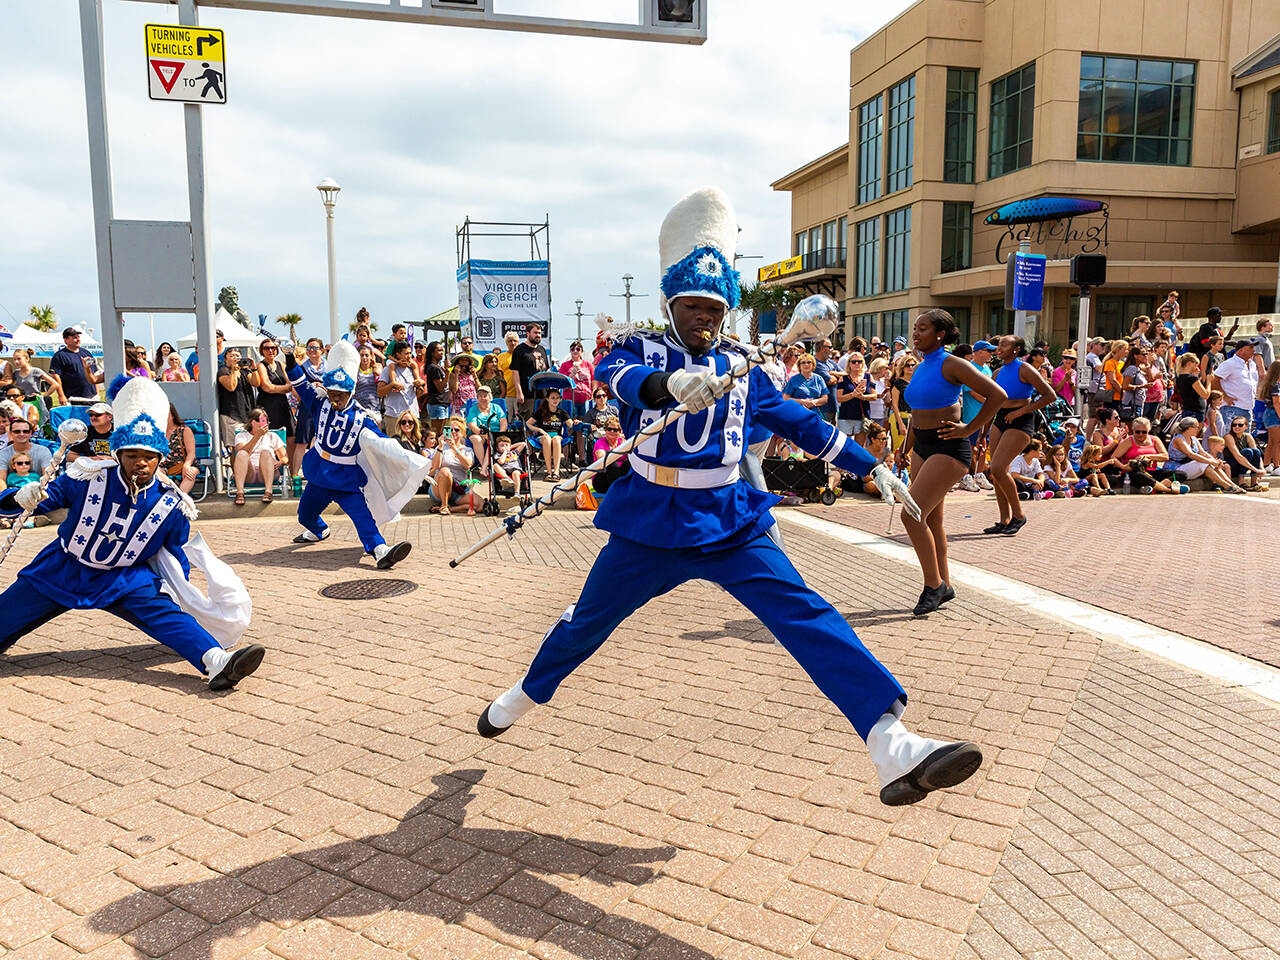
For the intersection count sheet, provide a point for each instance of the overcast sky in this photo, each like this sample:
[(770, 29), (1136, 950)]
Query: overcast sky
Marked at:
[(421, 126)]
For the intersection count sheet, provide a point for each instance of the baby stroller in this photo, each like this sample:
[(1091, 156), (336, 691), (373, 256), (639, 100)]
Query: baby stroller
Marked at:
[(1049, 420), (539, 384)]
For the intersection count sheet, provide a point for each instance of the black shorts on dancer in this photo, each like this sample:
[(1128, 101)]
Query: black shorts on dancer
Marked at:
[(1026, 422), (928, 442)]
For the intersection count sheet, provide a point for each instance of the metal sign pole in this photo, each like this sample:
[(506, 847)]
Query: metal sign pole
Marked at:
[(1020, 316), (206, 387), (1082, 355), (95, 101)]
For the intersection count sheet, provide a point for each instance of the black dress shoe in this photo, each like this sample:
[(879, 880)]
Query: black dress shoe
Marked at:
[(394, 555), (995, 527), (948, 593), (486, 728), (242, 663), (303, 538), (1014, 525), (945, 767), (930, 600)]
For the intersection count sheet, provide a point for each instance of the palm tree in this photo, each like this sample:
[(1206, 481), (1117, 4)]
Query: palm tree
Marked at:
[(43, 318), (759, 298), (290, 320), (355, 324)]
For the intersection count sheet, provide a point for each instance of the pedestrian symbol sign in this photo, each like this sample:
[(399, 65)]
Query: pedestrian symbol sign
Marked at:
[(187, 64)]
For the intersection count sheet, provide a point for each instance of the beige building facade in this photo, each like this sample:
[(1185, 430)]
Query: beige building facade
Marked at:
[(1167, 111)]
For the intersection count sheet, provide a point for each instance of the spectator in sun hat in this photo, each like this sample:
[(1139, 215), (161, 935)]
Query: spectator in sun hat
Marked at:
[(899, 347)]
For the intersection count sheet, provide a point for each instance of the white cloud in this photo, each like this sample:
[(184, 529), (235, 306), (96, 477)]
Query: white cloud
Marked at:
[(422, 126)]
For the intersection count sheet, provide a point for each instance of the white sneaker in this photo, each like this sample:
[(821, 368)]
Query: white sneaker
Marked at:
[(503, 712), (983, 482), (968, 483), (910, 767)]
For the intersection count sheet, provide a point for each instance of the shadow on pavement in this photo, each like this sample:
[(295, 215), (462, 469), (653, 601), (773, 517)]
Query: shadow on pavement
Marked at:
[(122, 661), (433, 865)]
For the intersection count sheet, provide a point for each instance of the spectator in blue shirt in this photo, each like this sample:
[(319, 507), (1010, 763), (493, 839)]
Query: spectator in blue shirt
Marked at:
[(194, 356), (75, 368), (826, 366), (805, 386)]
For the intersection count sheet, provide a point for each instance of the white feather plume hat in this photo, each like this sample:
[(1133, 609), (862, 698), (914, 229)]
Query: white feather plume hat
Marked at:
[(341, 367), (696, 246), (140, 414)]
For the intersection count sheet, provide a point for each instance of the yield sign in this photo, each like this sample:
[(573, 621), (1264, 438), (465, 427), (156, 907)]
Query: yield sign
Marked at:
[(167, 71)]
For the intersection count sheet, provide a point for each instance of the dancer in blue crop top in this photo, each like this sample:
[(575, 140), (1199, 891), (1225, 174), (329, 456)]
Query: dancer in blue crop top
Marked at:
[(1013, 426), (938, 443)]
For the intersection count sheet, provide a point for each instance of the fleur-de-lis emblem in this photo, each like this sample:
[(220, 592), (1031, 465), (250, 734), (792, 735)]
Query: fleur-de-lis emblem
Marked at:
[(87, 522), (655, 359), (80, 539), (736, 404), (94, 498), (129, 554), (142, 535), (156, 518), (733, 438)]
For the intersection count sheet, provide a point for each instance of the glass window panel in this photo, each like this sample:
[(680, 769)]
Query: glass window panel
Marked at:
[(870, 120), (1117, 149), (1159, 108), (1090, 113), (868, 254), (957, 236), (1153, 110), (1121, 68), (902, 101), (1155, 71), (1012, 121), (1117, 108), (1273, 122)]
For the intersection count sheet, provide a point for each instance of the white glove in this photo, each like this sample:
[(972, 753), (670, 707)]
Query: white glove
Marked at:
[(28, 496), (892, 490), (697, 389)]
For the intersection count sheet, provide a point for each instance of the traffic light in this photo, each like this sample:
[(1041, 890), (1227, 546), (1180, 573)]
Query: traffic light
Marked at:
[(677, 11)]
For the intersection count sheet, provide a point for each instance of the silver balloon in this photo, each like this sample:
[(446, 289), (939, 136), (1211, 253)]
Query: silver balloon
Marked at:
[(813, 318), (72, 431)]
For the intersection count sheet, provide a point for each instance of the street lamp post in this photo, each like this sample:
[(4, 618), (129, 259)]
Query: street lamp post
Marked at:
[(626, 279), (329, 189)]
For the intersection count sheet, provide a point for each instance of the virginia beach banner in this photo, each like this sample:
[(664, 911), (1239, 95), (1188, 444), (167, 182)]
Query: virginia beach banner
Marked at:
[(497, 296)]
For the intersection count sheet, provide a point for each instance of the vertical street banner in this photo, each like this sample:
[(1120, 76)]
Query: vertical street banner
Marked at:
[(498, 296)]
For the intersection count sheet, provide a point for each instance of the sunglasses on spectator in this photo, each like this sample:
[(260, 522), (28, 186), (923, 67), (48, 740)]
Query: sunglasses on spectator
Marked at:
[(20, 463), (575, 349), (599, 395), (1237, 423), (612, 429), (1139, 432), (94, 416)]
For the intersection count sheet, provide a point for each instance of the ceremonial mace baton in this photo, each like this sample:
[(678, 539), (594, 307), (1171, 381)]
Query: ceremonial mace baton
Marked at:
[(813, 318), (70, 432)]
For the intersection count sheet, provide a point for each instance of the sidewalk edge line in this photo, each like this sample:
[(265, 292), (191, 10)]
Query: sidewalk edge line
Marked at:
[(1195, 655)]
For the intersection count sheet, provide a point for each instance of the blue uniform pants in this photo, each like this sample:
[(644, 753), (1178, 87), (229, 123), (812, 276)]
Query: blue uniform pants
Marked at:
[(315, 498), (154, 613), (758, 574)]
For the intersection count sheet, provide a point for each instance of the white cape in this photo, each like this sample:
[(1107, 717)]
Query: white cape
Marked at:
[(394, 475), (225, 612)]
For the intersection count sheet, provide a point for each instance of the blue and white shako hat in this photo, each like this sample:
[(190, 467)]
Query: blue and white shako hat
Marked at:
[(696, 247), (341, 367), (140, 412)]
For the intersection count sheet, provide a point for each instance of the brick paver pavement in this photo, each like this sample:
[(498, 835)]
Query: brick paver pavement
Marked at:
[(689, 795), (1196, 565)]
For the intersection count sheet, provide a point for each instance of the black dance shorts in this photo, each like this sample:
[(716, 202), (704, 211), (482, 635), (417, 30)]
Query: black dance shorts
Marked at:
[(927, 442), (1026, 423)]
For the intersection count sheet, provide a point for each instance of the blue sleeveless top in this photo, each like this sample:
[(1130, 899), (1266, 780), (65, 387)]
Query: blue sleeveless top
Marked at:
[(928, 389), (1009, 377)]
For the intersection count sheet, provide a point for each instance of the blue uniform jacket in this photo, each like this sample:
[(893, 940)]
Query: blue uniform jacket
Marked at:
[(106, 539), (330, 461), (662, 516)]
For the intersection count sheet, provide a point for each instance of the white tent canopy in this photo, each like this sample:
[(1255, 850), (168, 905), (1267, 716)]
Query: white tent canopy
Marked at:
[(27, 337), (234, 333)]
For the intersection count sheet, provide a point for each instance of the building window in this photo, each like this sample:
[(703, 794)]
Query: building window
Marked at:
[(802, 243), (895, 325), (897, 249), (870, 119), (902, 114), (1013, 107), (1273, 122), (1135, 111), (957, 236), (961, 317), (999, 320), (960, 143), (868, 253), (864, 326), (1111, 316)]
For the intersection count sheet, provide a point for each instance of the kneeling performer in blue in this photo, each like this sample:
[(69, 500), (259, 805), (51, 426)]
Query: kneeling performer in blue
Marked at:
[(351, 462), (684, 512), (126, 547)]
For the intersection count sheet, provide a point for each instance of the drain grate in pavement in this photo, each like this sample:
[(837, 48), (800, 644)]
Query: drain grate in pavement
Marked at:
[(368, 589)]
